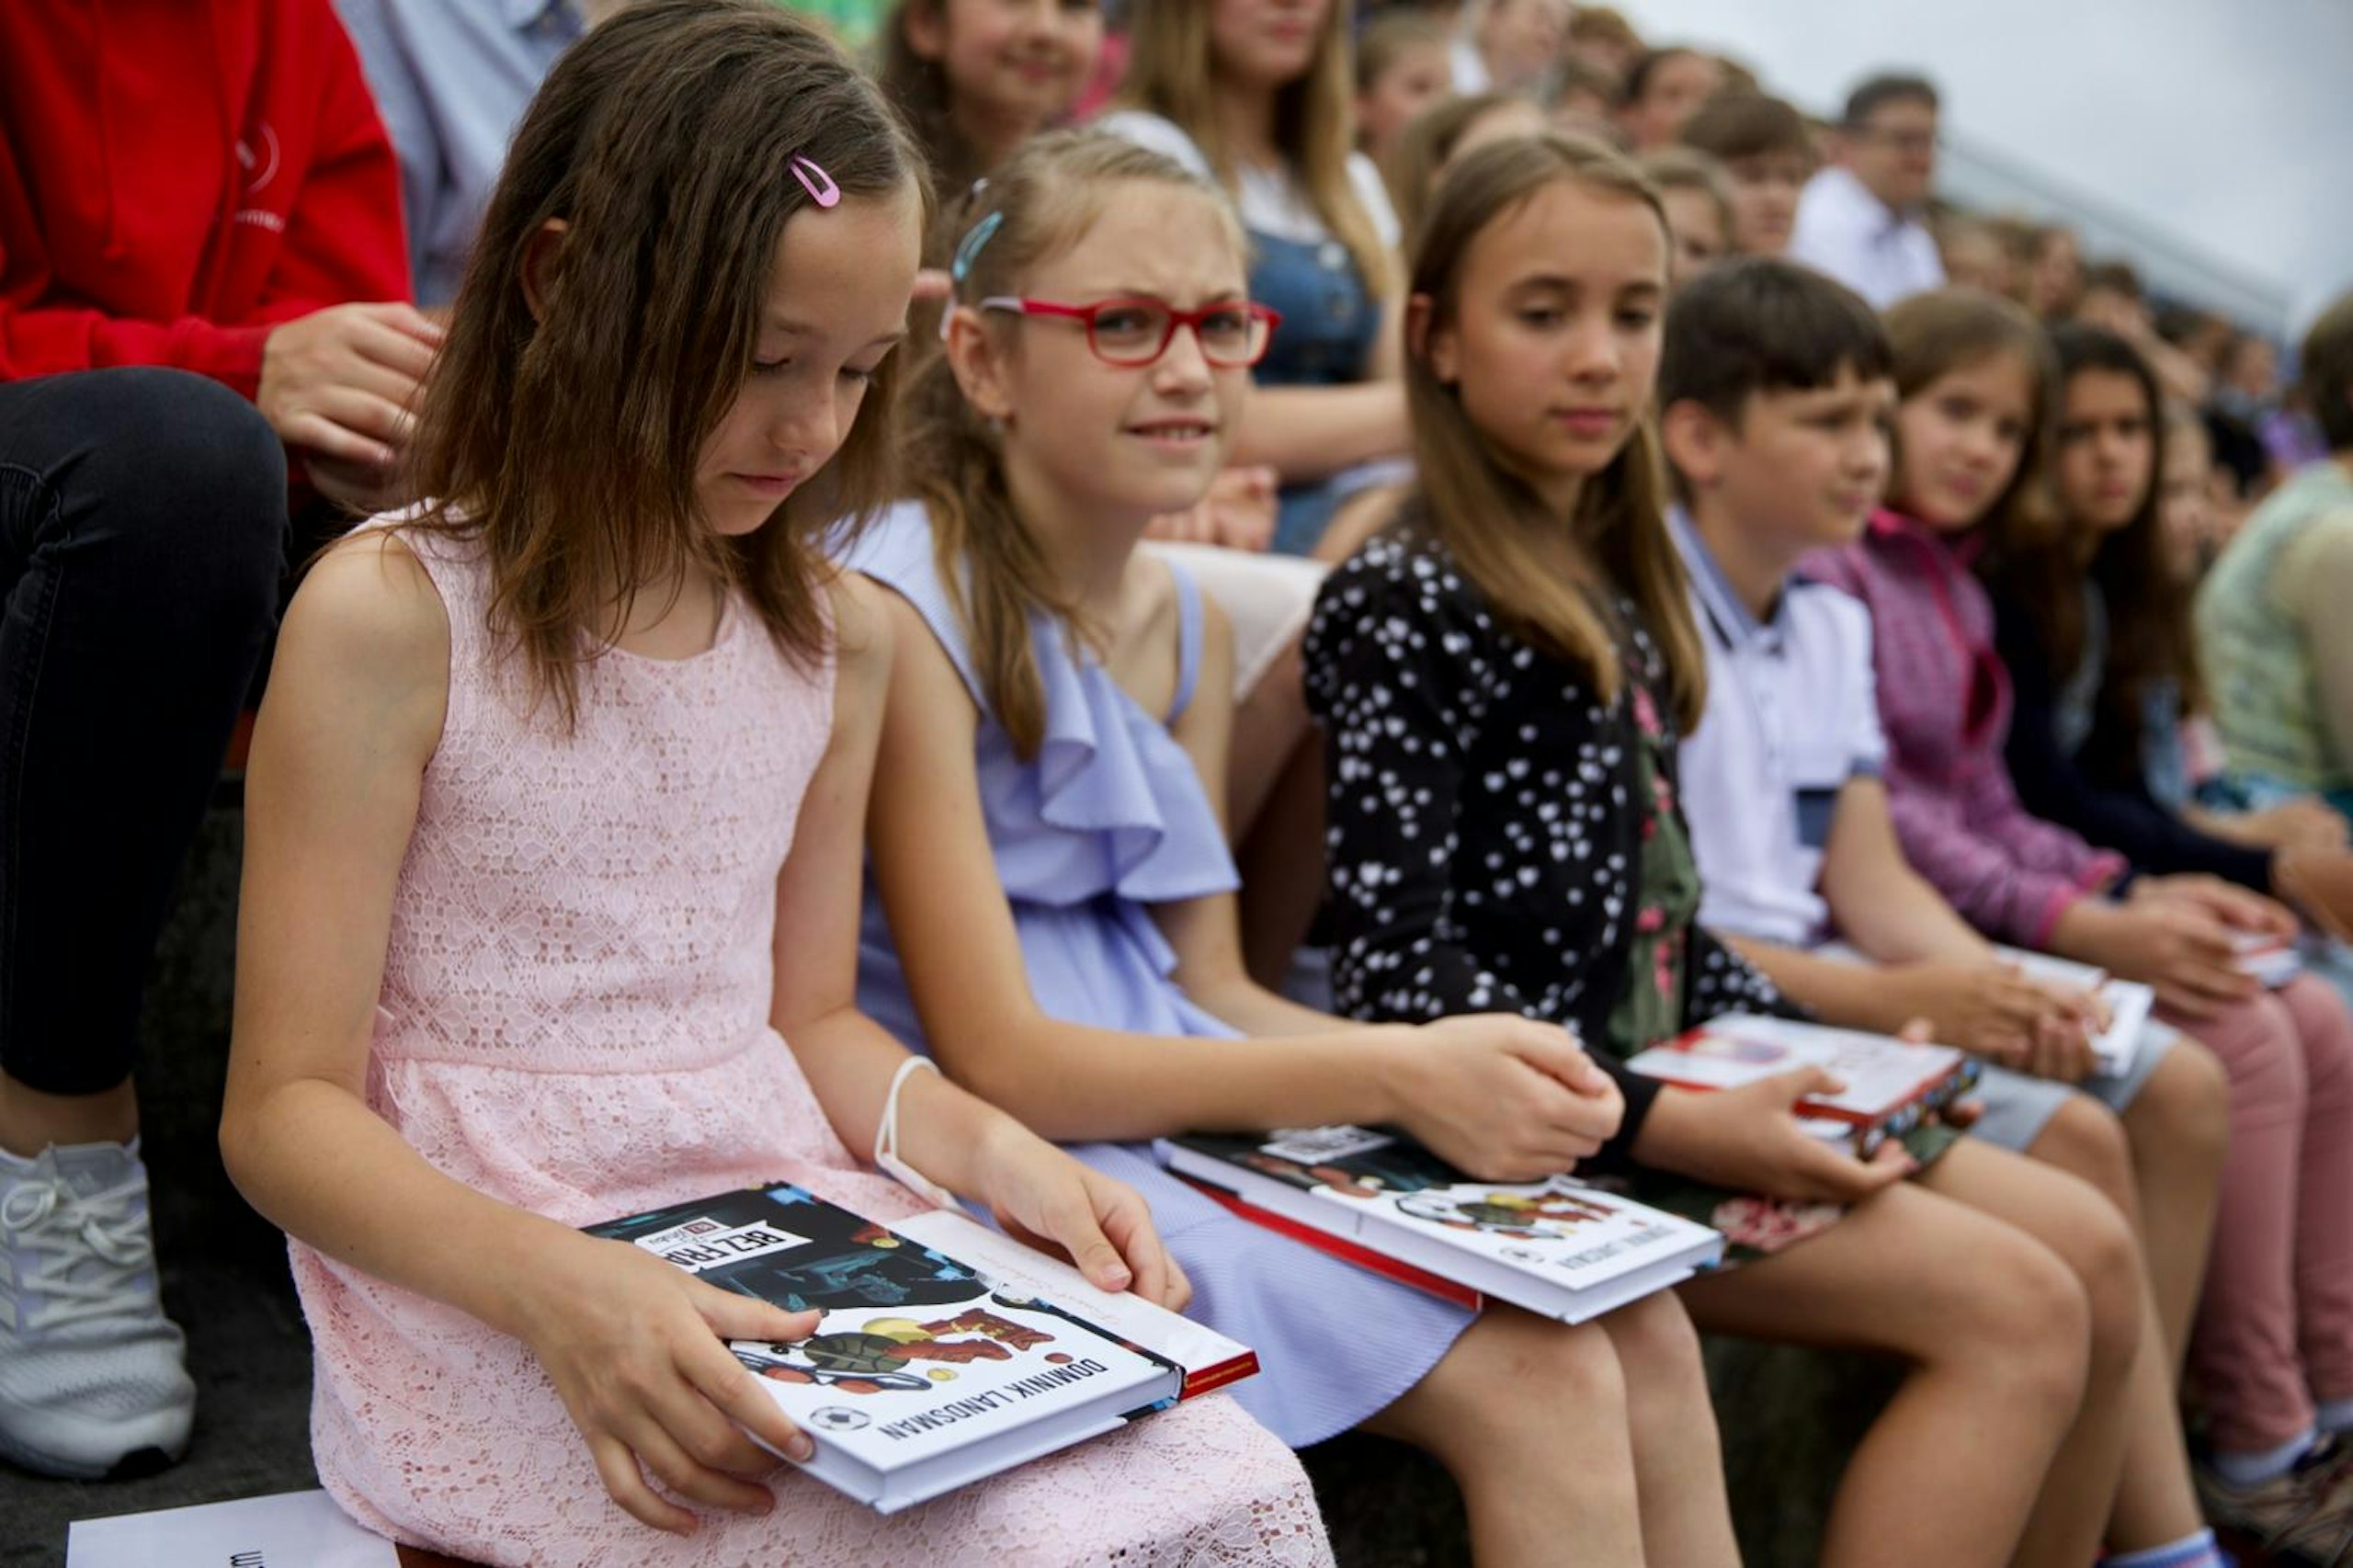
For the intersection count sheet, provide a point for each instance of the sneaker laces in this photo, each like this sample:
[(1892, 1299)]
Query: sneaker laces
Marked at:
[(102, 1236)]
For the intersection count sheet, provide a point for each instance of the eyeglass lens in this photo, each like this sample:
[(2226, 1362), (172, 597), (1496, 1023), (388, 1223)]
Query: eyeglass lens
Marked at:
[(1139, 332)]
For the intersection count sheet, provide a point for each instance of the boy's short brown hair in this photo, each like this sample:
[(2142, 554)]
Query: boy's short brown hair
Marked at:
[(1736, 125), (2327, 372), (1757, 324)]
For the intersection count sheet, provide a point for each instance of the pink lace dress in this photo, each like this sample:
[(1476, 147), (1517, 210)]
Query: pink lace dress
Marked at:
[(575, 1019)]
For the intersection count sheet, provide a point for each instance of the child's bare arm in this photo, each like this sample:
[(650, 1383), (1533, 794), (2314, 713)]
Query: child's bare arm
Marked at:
[(956, 1140), (354, 713), (1881, 904), (955, 938)]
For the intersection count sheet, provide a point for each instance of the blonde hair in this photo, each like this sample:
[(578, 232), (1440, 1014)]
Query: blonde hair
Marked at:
[(1036, 205), (1485, 516), (1169, 73)]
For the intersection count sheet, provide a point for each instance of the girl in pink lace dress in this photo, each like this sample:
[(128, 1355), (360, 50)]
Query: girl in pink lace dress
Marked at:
[(554, 821)]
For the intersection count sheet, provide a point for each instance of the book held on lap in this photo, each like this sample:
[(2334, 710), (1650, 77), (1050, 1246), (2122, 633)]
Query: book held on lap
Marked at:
[(2273, 960), (1891, 1085), (1559, 1249), (939, 1361), (2128, 1002)]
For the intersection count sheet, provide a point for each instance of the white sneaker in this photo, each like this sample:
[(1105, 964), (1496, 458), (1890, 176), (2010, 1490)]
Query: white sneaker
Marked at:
[(92, 1373)]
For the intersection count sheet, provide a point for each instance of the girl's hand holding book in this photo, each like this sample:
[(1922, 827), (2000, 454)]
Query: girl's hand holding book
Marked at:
[(637, 1350), (1989, 1009), (1044, 1197), (1502, 1097), (2177, 946), (1749, 1139), (2233, 905)]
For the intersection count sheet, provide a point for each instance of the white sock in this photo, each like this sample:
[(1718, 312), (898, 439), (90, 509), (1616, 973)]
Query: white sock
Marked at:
[(2271, 1465), (2191, 1551)]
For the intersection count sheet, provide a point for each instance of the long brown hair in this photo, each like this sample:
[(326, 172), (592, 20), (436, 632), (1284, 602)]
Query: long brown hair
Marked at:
[(1170, 72), (1036, 205), (1423, 147), (567, 445), (1488, 518), (2042, 573), (919, 89), (1949, 329)]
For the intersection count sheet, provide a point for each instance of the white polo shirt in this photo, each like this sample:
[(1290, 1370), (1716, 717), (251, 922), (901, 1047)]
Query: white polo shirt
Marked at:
[(1843, 229), (1792, 715)]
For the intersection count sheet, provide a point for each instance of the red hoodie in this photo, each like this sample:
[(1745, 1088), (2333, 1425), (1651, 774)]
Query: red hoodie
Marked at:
[(178, 177)]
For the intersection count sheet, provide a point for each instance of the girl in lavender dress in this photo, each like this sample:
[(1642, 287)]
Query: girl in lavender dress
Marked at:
[(1052, 911)]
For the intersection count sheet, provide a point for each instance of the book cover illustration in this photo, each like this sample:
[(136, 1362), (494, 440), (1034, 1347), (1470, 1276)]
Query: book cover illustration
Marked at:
[(1562, 1229), (1892, 1086), (916, 1356)]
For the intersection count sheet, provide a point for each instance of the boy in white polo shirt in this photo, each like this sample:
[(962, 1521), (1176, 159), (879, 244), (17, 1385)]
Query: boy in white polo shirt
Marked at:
[(1775, 400)]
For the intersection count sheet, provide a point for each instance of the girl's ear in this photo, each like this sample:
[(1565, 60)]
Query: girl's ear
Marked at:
[(1694, 439), (1425, 339), (977, 357), (542, 254), (924, 24)]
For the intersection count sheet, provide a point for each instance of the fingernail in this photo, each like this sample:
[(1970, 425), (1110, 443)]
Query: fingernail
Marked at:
[(802, 1450)]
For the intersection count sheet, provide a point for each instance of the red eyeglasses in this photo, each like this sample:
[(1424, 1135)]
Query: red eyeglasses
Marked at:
[(1234, 334)]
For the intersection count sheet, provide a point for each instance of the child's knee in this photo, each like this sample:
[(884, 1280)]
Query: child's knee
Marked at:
[(1658, 1349), (1514, 1378), (2258, 1045), (2098, 1244), (2325, 1032), (2085, 1139), (2023, 1315), (2183, 1113)]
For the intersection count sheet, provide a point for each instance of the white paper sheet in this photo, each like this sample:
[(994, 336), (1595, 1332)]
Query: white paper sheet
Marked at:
[(293, 1529)]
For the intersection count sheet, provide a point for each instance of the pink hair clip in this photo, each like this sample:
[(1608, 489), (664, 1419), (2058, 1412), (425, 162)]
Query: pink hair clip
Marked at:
[(820, 189)]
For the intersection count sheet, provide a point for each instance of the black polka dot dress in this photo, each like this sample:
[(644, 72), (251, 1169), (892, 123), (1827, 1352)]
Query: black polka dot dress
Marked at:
[(1489, 820)]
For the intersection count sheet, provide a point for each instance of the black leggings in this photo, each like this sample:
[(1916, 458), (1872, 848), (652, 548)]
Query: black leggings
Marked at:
[(143, 537)]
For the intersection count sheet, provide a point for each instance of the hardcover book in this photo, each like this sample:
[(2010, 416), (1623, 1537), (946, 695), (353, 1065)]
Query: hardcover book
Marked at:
[(1891, 1085), (2128, 1002), (1559, 1247), (926, 1371)]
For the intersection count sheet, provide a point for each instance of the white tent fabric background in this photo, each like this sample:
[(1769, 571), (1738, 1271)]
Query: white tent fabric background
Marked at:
[(2222, 127)]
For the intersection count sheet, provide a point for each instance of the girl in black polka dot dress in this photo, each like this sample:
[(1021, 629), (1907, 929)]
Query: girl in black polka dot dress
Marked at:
[(1502, 675)]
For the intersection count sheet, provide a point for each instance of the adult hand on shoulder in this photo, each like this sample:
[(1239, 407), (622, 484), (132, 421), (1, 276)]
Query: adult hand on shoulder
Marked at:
[(636, 1348), (356, 486), (342, 382), (1042, 1196), (1749, 1139), (1502, 1097)]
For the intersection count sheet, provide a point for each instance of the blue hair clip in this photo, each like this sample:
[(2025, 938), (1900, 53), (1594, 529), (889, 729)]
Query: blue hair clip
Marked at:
[(970, 250)]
